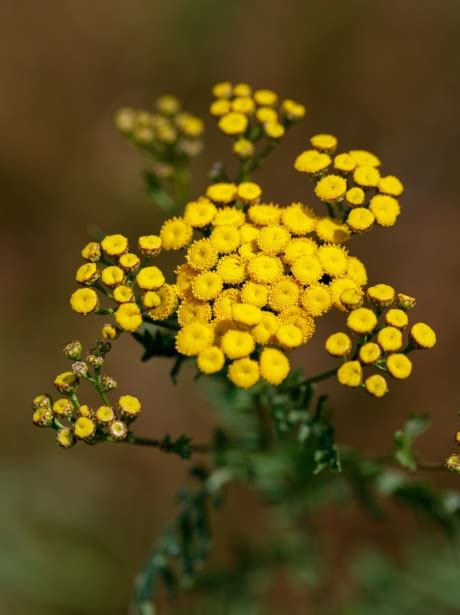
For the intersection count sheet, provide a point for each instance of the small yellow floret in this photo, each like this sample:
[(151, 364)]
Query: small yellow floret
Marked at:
[(362, 320), (382, 295), (350, 374), (243, 104), (246, 314), (84, 301), (397, 318), (332, 231), (331, 188), (293, 110), (274, 130), (202, 255), (223, 89), (273, 239), (233, 123), (123, 294), (265, 98), (243, 148), (289, 335), (370, 353), (274, 365), (110, 332), (300, 246), (199, 213), (391, 185), (390, 339), (193, 338), (129, 406), (84, 428), (422, 335), (129, 261), (207, 286), (249, 192), (92, 251), (338, 344), (225, 239), (194, 311), (323, 142), (399, 366), (210, 360), (316, 300), (266, 329), (175, 234), (266, 214), (376, 385), (255, 294), (129, 316), (265, 269), (220, 107), (356, 271), (298, 219), (355, 197), (244, 373), (229, 216), (367, 177), (312, 162), (150, 278), (87, 274), (114, 245), (105, 415), (385, 209), (237, 344), (283, 294), (149, 244), (307, 269), (344, 163), (360, 219), (362, 157), (333, 260)]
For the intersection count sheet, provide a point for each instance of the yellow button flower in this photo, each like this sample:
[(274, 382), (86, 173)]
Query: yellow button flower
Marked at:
[(229, 216), (149, 244), (385, 209), (242, 89), (246, 314), (211, 360), (233, 123), (129, 261), (376, 385), (333, 260), (405, 302), (399, 366), (237, 344), (129, 406), (360, 219), (194, 311), (283, 294), (298, 220), (362, 320), (199, 214), (274, 130), (150, 278), (300, 246), (87, 274), (63, 408), (338, 344), (175, 234), (351, 299), (112, 276), (243, 148), (265, 269), (390, 339), (263, 332), (249, 192), (364, 158), (193, 338), (274, 365), (332, 231), (231, 269), (220, 107), (84, 301), (307, 269), (92, 251), (84, 428), (114, 245), (223, 89), (397, 318), (243, 104), (222, 192), (289, 335), (255, 294), (422, 335), (331, 188), (169, 105), (323, 142), (264, 214), (366, 176), (382, 295), (202, 255), (265, 115), (356, 271), (225, 239), (273, 239), (110, 332), (344, 163), (207, 286), (123, 294), (350, 374), (391, 185), (369, 353), (355, 197), (244, 373), (293, 110), (105, 415), (265, 98), (128, 316), (316, 300), (65, 437), (312, 162)]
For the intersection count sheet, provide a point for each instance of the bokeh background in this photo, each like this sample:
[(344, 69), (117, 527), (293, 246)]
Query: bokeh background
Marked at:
[(381, 74)]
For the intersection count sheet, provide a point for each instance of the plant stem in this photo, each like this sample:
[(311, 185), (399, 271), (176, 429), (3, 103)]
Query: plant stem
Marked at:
[(155, 443), (320, 377)]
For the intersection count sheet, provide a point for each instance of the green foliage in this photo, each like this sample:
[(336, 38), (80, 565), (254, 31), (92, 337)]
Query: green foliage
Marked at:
[(405, 438)]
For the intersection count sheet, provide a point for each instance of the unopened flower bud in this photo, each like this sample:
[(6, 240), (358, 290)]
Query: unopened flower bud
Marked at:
[(118, 430), (43, 417), (63, 408), (40, 401), (95, 360), (72, 350), (65, 437), (381, 295), (80, 368), (84, 428), (110, 332), (108, 383), (92, 252), (85, 411), (405, 302), (102, 346), (457, 437), (105, 415), (129, 406), (453, 463), (125, 120), (351, 299), (66, 383)]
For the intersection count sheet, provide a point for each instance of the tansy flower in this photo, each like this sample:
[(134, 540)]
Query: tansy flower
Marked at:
[(237, 344), (105, 415), (190, 125), (63, 408), (362, 320), (316, 300), (385, 209), (242, 89), (129, 261), (274, 130), (312, 162), (112, 276), (382, 295), (337, 287), (149, 244), (118, 430), (114, 245), (298, 220), (273, 239), (376, 385), (66, 382), (405, 302), (350, 374), (338, 344), (123, 294), (332, 231), (167, 305), (264, 214), (222, 90), (92, 252), (300, 246), (231, 269), (110, 332), (323, 142), (84, 428), (364, 158), (220, 107), (222, 192), (266, 329), (65, 437), (207, 286), (397, 318), (390, 339), (283, 295), (225, 239), (265, 98), (229, 216), (351, 298), (367, 177), (243, 148), (233, 123), (210, 360), (292, 109), (202, 255), (193, 338), (199, 213), (246, 314), (274, 365), (333, 260), (193, 310), (87, 274), (128, 316), (307, 269), (355, 196), (265, 115), (255, 294), (184, 278), (249, 192), (369, 353), (42, 417), (391, 185), (169, 105), (129, 406), (222, 307), (399, 366), (249, 233), (356, 271), (265, 269), (244, 373), (175, 234), (84, 301), (360, 219), (344, 163), (422, 335), (243, 104), (150, 278), (331, 188), (289, 335)]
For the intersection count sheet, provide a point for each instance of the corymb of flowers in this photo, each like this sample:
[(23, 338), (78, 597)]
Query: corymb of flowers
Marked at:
[(254, 275)]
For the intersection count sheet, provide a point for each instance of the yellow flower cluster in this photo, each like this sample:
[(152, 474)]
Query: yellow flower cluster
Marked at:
[(138, 288), (168, 130), (380, 347), (255, 281), (74, 421), (247, 115), (351, 184)]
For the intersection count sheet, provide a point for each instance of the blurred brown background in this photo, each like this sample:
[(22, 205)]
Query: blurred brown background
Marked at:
[(381, 74)]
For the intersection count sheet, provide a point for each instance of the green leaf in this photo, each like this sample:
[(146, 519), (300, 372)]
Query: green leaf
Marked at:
[(157, 192), (158, 344), (405, 438)]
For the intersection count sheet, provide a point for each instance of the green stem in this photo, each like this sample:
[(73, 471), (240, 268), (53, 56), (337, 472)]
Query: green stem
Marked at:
[(321, 377), (155, 443)]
